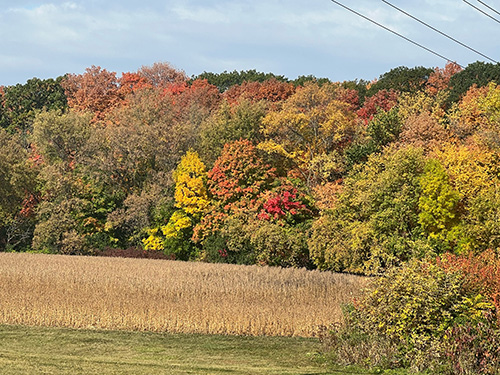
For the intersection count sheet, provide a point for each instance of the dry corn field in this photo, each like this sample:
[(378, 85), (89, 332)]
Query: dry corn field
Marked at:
[(168, 296)]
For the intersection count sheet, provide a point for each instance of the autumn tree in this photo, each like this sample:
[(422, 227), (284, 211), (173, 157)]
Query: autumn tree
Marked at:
[(96, 91), (439, 80), (234, 184), (162, 74), (383, 100), (310, 125), (191, 199), (272, 91)]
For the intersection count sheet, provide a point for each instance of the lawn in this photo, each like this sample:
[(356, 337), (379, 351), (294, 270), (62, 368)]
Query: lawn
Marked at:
[(37, 350)]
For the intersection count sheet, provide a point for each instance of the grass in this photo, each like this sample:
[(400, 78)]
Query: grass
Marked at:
[(38, 350), (168, 296)]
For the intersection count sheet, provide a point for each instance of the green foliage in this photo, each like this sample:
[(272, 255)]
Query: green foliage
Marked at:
[(225, 80), (478, 73), (17, 182), (229, 124), (402, 79), (21, 102), (384, 128), (375, 222)]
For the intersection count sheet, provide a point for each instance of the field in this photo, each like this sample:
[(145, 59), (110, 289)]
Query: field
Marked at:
[(168, 296)]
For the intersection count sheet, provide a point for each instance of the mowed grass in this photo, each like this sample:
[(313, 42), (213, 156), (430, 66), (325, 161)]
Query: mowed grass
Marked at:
[(37, 350), (168, 296)]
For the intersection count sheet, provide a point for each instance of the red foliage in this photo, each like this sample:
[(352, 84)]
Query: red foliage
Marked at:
[(349, 96), (383, 99), (481, 273), (132, 82), (29, 205), (272, 90), (281, 204), (200, 94)]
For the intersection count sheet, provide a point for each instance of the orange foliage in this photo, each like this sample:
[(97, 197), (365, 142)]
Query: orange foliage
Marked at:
[(424, 131), (440, 78), (96, 90), (132, 82), (481, 273)]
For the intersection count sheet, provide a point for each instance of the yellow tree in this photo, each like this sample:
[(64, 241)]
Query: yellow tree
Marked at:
[(312, 123), (191, 199)]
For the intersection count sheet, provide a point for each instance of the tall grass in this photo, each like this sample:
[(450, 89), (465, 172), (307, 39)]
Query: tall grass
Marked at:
[(168, 296)]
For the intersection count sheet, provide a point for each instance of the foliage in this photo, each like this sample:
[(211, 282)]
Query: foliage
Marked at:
[(402, 79), (374, 223), (17, 185), (96, 91), (419, 316), (381, 100), (20, 103), (311, 123), (438, 204), (478, 73), (225, 80), (228, 124)]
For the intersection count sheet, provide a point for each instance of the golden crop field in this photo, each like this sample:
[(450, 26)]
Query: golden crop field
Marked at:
[(168, 296)]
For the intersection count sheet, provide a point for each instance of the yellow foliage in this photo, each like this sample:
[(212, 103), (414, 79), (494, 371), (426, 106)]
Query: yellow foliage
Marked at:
[(154, 241), (178, 221), (468, 167), (190, 184)]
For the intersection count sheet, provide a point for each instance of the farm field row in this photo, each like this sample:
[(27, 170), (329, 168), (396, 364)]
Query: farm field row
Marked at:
[(168, 296)]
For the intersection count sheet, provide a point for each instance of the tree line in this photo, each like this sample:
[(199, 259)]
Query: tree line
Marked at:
[(253, 168)]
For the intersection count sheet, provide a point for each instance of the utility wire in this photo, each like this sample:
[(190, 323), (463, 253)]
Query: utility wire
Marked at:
[(394, 32), (490, 8), (440, 32), (482, 11)]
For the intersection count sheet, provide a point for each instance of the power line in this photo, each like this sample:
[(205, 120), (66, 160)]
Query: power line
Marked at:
[(440, 32), (394, 32), (482, 11), (490, 8)]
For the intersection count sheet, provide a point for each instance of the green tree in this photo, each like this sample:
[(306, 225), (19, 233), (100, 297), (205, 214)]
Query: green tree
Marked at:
[(229, 124), (17, 182), (374, 223), (21, 102), (225, 80), (478, 73), (402, 79)]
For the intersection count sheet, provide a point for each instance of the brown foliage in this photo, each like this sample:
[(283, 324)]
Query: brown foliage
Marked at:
[(423, 131)]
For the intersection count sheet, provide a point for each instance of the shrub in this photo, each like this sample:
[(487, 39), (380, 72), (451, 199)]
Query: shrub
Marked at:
[(420, 316)]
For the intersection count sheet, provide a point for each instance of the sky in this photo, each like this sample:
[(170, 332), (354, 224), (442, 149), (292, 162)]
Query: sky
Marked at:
[(46, 39)]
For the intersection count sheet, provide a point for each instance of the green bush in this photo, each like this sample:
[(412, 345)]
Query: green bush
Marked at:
[(420, 316)]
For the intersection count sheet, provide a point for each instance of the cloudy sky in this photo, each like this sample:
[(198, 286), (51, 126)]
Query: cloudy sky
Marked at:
[(46, 39)]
